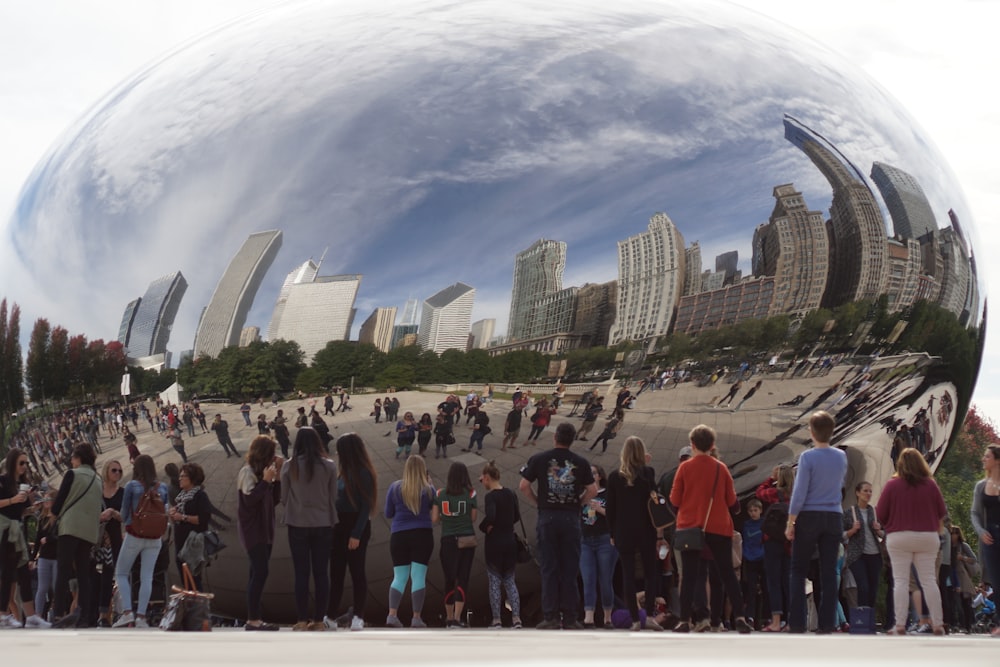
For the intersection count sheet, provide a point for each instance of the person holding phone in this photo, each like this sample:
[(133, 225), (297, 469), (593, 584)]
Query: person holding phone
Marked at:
[(259, 493), (15, 501)]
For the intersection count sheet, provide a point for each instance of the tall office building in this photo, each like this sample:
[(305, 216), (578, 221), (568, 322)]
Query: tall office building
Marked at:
[(128, 317), (651, 274), (318, 312), (726, 264), (857, 229), (595, 312), (793, 247), (692, 269), (410, 312), (249, 336), (377, 329), (223, 319), (905, 263), (482, 333), (445, 319), (154, 317), (403, 335), (909, 209), (538, 273), (304, 273)]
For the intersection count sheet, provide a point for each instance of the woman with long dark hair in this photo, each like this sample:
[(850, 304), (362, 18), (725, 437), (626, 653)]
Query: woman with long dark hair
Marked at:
[(408, 504), (147, 549), (15, 501), (631, 530), (259, 493), (501, 512), (985, 515), (406, 433), (309, 494), (357, 489), (425, 428), (911, 508), (863, 555), (455, 507), (597, 554)]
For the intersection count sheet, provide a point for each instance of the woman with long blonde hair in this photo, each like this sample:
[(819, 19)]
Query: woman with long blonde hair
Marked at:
[(408, 504), (911, 509), (632, 533)]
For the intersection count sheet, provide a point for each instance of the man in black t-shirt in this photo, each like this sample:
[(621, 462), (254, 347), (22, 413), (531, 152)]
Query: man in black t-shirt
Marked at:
[(450, 408), (565, 484)]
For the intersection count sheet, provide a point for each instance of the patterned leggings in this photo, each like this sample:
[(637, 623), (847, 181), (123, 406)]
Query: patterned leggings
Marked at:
[(513, 597)]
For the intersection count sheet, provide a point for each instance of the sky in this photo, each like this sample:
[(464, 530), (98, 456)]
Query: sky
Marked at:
[(934, 63)]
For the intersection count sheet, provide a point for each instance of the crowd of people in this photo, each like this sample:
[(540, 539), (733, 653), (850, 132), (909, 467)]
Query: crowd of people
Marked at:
[(723, 564)]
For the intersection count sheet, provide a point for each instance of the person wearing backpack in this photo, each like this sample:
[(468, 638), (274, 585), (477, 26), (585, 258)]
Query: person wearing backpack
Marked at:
[(775, 492), (144, 515)]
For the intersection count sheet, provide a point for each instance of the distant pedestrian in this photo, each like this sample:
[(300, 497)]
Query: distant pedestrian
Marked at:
[(221, 428)]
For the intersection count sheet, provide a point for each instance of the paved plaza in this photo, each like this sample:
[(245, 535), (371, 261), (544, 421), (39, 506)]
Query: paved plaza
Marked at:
[(377, 647)]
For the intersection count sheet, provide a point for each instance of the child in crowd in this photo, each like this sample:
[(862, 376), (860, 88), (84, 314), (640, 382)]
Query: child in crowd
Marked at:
[(753, 556)]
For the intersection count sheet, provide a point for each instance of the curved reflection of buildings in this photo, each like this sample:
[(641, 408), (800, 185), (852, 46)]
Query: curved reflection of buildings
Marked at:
[(146, 324), (223, 318)]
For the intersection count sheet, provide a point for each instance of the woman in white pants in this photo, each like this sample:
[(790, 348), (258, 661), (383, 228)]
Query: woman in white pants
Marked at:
[(910, 510)]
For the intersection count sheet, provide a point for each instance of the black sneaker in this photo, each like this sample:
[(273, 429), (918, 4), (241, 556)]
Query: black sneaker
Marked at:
[(573, 625), (743, 627), (549, 624), (682, 627)]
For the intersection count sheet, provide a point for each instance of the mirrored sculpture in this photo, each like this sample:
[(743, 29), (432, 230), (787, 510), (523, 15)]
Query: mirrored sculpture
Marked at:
[(654, 173)]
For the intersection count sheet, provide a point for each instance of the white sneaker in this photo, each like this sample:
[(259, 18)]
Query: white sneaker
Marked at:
[(36, 621), (330, 624), (7, 621), (126, 620), (140, 622), (357, 623)]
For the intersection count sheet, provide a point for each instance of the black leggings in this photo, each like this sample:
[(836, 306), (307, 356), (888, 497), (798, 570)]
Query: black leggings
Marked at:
[(9, 572), (651, 572), (695, 573), (457, 566), (72, 562), (342, 558), (260, 559)]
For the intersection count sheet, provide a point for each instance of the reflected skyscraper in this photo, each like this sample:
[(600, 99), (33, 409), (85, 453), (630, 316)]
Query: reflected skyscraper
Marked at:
[(304, 273), (377, 329), (857, 230), (223, 319), (410, 312), (538, 273), (792, 246), (482, 333), (445, 319), (650, 281), (692, 269), (909, 209), (128, 317), (318, 312), (154, 317), (596, 305)]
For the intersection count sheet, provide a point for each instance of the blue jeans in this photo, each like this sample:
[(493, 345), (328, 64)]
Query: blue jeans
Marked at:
[(559, 534), (822, 531), (311, 556), (46, 584), (597, 568), (147, 550), (476, 439), (991, 554)]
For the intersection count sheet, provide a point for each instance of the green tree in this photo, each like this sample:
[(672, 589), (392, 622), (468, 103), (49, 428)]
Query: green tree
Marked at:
[(961, 468), (400, 376), (11, 365), (57, 383), (37, 367)]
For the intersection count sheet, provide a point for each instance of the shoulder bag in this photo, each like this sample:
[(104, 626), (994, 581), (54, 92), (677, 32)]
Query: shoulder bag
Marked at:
[(693, 538)]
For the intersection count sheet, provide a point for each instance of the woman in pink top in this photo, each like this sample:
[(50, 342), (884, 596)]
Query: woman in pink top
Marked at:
[(910, 510)]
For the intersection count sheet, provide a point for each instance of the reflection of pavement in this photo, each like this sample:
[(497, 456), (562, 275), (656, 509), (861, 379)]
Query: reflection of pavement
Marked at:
[(377, 647), (748, 441)]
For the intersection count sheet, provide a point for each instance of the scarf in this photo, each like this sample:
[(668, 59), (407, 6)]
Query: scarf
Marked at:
[(185, 496)]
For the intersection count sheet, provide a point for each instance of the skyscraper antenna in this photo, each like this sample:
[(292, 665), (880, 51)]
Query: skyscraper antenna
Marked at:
[(322, 257)]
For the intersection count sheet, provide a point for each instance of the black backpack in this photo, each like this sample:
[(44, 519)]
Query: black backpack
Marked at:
[(775, 521)]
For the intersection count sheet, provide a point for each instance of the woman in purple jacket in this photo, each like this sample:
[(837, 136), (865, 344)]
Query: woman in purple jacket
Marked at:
[(259, 493)]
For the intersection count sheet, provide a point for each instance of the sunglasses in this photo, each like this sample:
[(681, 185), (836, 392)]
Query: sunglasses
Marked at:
[(22, 463), (118, 470)]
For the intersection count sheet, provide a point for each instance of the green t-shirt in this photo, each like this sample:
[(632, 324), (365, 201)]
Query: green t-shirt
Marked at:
[(456, 512)]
